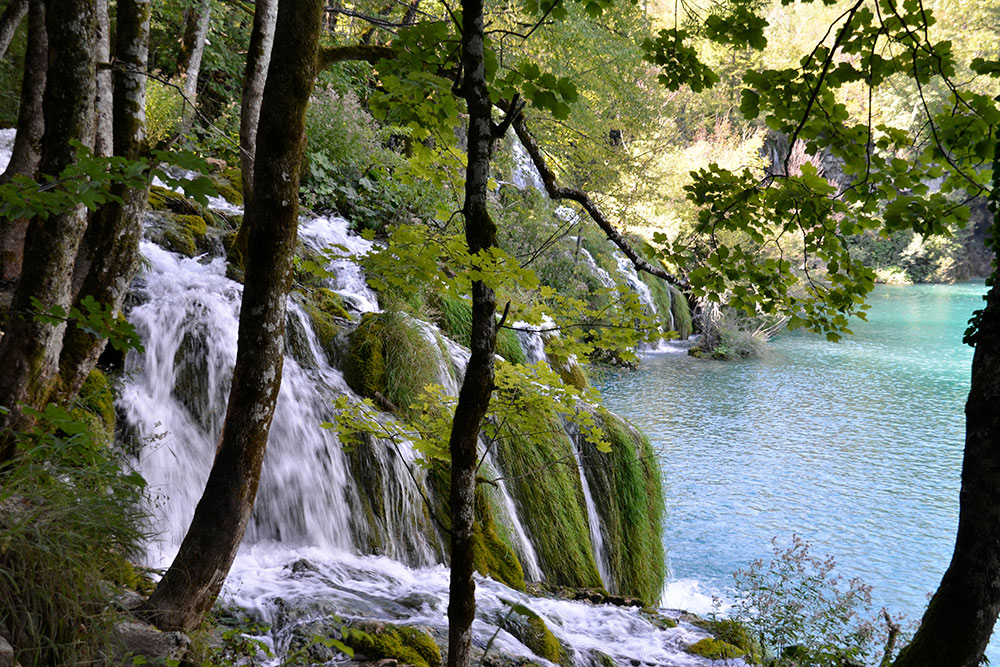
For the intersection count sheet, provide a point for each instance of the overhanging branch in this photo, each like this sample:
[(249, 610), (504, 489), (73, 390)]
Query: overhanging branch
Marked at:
[(556, 191)]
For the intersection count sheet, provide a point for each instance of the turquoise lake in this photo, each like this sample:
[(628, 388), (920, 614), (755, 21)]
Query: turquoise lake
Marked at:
[(855, 446)]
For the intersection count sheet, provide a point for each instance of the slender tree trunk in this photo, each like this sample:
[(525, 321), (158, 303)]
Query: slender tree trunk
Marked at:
[(109, 253), (474, 396), (192, 50), (29, 350), (190, 586), (959, 620), (26, 153), (103, 138), (258, 57), (9, 20)]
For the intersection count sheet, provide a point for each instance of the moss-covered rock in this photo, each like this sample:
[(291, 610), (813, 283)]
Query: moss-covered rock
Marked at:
[(163, 199), (550, 500), (183, 233), (535, 634), (409, 645), (494, 556), (714, 649), (326, 310), (390, 360), (95, 407), (680, 309), (229, 184), (627, 488)]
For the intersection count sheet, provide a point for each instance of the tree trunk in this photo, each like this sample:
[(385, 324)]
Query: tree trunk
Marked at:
[(189, 65), (103, 138), (29, 350), (190, 586), (109, 253), (9, 20), (474, 396), (25, 154), (959, 620), (258, 57)]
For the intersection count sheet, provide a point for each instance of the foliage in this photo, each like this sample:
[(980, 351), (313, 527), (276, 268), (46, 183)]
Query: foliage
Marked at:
[(97, 319), (803, 612), (89, 179), (70, 518), (164, 105), (350, 168)]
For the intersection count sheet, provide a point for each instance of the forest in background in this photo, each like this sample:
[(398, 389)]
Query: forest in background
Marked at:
[(387, 148)]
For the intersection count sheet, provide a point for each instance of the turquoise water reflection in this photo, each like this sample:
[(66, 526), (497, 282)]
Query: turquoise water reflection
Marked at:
[(855, 446)]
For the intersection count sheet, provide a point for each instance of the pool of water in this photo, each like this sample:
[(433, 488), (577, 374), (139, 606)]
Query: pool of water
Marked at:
[(856, 446)]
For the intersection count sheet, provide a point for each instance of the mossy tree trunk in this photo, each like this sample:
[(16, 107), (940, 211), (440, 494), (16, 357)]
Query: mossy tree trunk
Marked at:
[(12, 15), (959, 620), (474, 396), (190, 586), (29, 350), (104, 102), (258, 57), (109, 253), (26, 153)]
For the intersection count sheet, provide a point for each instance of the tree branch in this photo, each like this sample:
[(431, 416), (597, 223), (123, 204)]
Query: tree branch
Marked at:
[(556, 191)]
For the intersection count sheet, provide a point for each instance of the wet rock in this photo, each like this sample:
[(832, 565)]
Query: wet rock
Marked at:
[(135, 638)]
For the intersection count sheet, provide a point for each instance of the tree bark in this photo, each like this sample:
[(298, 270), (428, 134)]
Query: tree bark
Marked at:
[(25, 154), (477, 387), (109, 253), (190, 586), (258, 57), (189, 65), (9, 20), (959, 620), (103, 137), (29, 350)]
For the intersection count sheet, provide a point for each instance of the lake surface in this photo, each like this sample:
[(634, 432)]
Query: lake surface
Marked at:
[(855, 446)]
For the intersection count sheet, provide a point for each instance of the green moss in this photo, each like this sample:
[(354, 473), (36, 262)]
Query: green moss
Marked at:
[(407, 644), (734, 633), (364, 368), (454, 316), (229, 185), (324, 308), (162, 199), (714, 649), (95, 407), (543, 643), (183, 232), (626, 486), (389, 357), (681, 311), (550, 498), (494, 556)]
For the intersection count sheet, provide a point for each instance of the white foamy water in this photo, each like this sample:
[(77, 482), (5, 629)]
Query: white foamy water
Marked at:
[(269, 580), (6, 146)]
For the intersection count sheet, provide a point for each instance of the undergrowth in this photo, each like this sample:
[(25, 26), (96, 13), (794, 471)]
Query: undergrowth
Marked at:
[(70, 520)]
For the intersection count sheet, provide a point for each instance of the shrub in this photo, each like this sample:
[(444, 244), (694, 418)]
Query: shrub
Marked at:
[(70, 519), (164, 105), (803, 612)]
